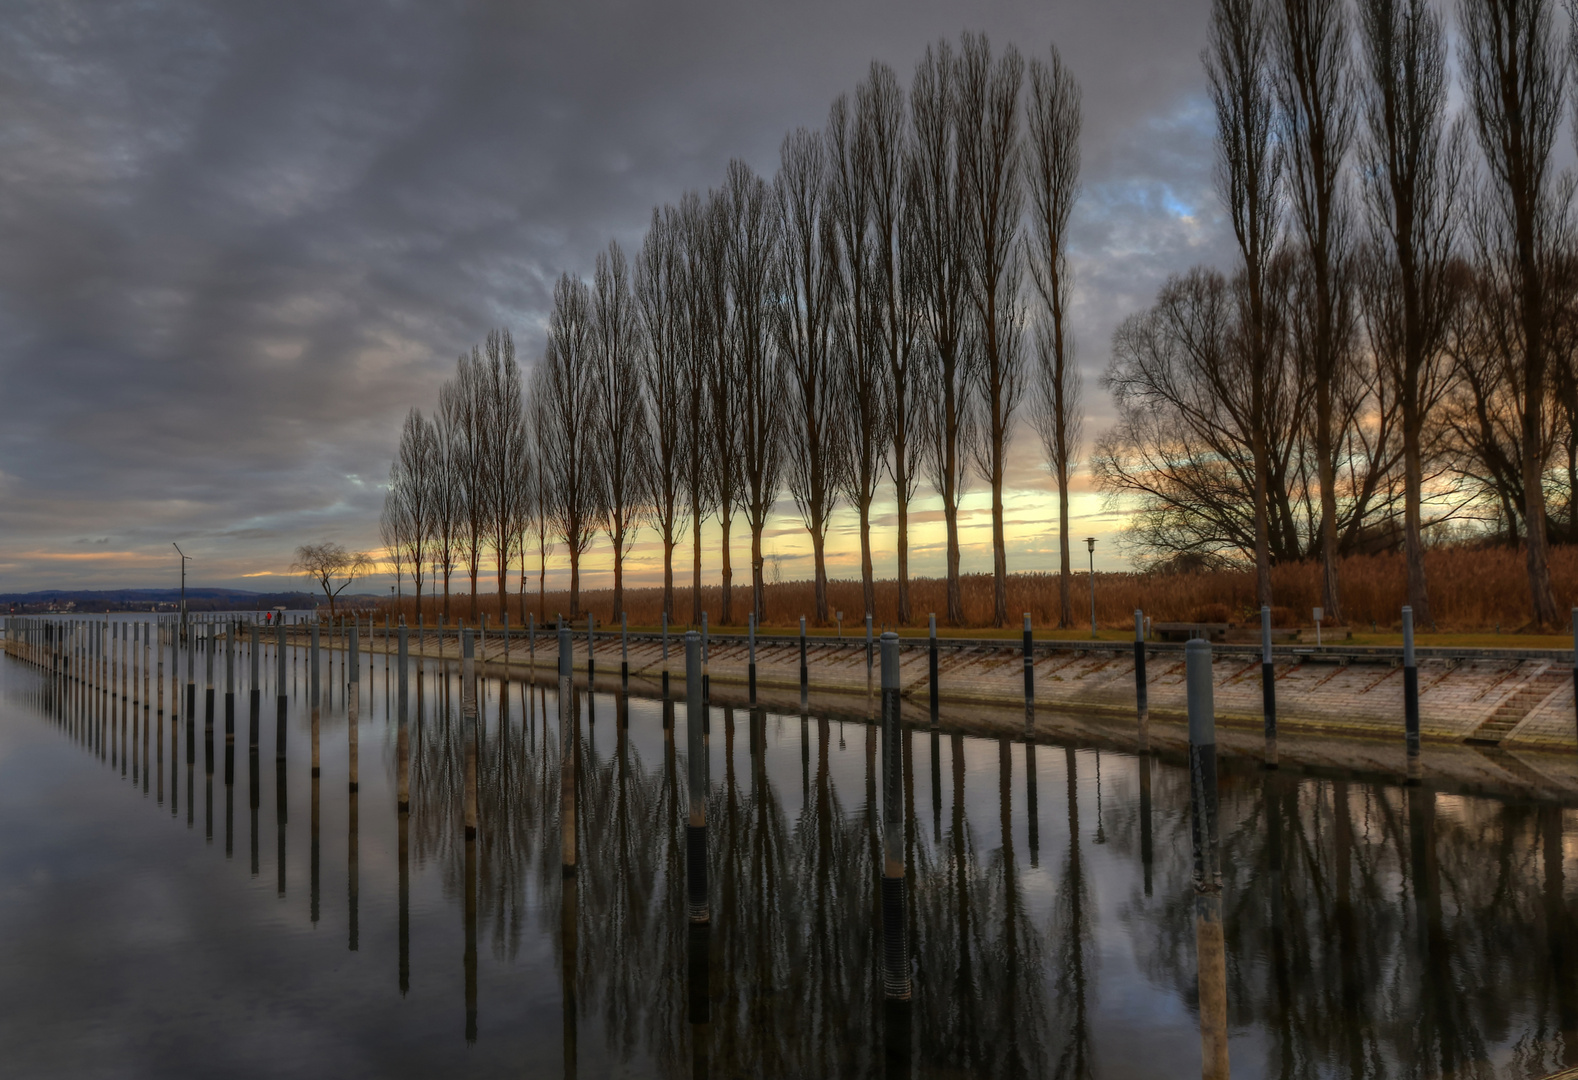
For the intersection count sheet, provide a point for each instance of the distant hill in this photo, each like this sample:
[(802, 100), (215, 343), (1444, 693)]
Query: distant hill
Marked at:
[(197, 599)]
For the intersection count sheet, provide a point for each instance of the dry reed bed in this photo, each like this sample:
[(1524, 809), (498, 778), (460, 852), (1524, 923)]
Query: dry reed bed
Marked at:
[(1470, 590)]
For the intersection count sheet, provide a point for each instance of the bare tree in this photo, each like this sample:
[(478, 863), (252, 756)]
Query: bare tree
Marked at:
[(503, 458), (449, 492), (1412, 179), (462, 410), (723, 380), (895, 281), (752, 258), (537, 415), (993, 194), (1317, 117), (572, 495), (394, 526), (809, 288), (413, 479), (861, 378), (1052, 172), (660, 299), (1237, 63), (1515, 81), (621, 448), (326, 563), (699, 343), (937, 245)]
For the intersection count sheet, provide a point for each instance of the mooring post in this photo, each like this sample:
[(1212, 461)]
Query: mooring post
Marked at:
[(531, 639), (591, 663), (190, 640), (895, 941), (253, 696), (932, 666), (1142, 701), (482, 647), (1030, 676), (1410, 697), (696, 769), (804, 674), (568, 730), (402, 735), (750, 629), (208, 679), (230, 681), (506, 632), (1210, 950), (468, 715), (706, 681), (1268, 686), (665, 658), (870, 659), (279, 689)]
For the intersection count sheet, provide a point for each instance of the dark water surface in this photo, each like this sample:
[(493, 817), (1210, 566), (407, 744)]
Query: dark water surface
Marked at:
[(162, 917)]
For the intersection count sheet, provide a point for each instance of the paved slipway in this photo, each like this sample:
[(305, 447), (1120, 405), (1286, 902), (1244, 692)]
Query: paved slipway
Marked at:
[(1491, 720)]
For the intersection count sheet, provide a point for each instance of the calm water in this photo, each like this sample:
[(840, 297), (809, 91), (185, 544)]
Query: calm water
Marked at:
[(167, 918)]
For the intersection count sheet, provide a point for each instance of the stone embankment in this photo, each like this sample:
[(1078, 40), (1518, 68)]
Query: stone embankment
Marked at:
[(1491, 720), (1493, 697)]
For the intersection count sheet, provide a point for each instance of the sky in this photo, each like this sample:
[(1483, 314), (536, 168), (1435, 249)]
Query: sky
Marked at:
[(238, 241)]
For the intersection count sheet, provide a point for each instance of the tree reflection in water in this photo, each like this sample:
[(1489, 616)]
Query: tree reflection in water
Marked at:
[(1371, 929)]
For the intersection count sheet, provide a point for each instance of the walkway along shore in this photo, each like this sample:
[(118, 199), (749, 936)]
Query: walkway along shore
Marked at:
[(1489, 719)]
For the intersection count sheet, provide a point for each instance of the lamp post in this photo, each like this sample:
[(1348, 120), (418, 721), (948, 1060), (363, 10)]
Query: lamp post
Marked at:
[(185, 558), (1090, 546)]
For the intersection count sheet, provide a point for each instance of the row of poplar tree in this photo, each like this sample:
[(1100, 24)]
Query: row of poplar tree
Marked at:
[(879, 312), (1396, 349)]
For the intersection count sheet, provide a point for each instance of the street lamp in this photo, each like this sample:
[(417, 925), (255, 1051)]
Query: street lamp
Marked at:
[(1090, 546), (185, 558)]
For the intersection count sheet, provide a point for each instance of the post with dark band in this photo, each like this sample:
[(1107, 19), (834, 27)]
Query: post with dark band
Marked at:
[(1268, 687), (696, 906), (1410, 697), (895, 943), (1142, 696), (1210, 948)]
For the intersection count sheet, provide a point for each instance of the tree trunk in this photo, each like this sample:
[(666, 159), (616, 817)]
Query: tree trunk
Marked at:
[(758, 598), (999, 544), (619, 574), (1262, 457), (1413, 483), (955, 596), (1541, 597), (726, 614), (504, 587), (668, 571), (819, 561), (1330, 596), (695, 582), (868, 587), (575, 583), (904, 615), (1065, 618)]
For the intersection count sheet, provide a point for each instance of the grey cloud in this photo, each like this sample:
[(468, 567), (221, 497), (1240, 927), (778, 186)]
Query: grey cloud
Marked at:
[(239, 240)]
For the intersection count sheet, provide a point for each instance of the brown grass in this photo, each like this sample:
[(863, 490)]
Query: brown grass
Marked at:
[(1470, 591)]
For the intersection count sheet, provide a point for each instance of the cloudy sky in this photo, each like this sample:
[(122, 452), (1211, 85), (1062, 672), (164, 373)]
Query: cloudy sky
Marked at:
[(239, 240)]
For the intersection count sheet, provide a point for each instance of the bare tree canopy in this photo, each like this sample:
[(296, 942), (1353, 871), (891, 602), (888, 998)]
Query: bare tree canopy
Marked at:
[(1052, 179), (330, 567)]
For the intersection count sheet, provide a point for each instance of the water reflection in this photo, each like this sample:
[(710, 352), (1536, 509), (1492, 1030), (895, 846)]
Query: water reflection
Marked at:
[(1053, 922)]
